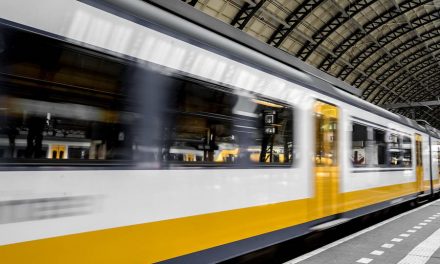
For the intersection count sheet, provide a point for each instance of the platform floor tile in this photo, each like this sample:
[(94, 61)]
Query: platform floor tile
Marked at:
[(388, 242)]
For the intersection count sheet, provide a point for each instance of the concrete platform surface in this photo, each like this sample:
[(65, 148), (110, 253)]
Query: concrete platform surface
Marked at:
[(409, 238)]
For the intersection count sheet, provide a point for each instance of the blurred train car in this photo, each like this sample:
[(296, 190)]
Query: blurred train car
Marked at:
[(130, 135)]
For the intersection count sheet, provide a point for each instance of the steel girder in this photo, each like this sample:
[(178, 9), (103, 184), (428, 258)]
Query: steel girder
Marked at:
[(423, 96), (431, 115), (412, 104), (421, 68), (334, 23), (419, 97), (377, 94), (391, 36), (401, 48), (409, 44), (423, 115), (372, 90), (422, 59), (428, 81), (369, 27), (432, 79), (245, 14), (408, 90), (426, 64), (428, 78), (434, 84), (293, 19), (416, 94)]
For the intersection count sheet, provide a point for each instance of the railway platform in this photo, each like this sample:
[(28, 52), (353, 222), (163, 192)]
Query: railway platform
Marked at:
[(409, 238)]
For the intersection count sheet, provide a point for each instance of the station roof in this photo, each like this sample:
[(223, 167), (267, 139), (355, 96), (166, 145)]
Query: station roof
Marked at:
[(388, 49)]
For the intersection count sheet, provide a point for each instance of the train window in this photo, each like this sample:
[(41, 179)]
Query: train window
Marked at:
[(399, 150), (406, 151), (31, 133), (214, 126), (372, 147), (57, 98), (359, 145), (368, 146), (62, 103), (379, 146), (393, 148)]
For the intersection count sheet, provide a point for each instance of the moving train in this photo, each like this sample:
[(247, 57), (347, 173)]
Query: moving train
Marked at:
[(129, 134)]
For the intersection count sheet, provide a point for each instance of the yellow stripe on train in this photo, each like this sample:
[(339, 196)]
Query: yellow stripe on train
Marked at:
[(152, 242)]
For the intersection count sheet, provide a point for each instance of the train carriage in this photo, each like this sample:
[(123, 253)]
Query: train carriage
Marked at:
[(130, 135)]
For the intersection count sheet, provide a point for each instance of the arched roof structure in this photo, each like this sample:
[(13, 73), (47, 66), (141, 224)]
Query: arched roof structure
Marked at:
[(388, 49)]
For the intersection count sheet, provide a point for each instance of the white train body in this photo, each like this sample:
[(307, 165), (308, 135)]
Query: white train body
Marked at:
[(61, 201)]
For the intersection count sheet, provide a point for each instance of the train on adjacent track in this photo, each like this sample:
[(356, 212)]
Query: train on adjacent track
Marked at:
[(131, 135)]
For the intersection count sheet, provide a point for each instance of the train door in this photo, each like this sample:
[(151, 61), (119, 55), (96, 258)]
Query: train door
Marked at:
[(419, 163), (326, 159)]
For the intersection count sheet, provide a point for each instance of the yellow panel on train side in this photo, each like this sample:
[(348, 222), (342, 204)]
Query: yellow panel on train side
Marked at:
[(419, 163), (326, 189), (156, 241)]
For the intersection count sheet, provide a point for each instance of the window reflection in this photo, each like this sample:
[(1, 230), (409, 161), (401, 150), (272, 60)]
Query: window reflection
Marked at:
[(212, 125), (326, 117), (376, 147), (64, 103)]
